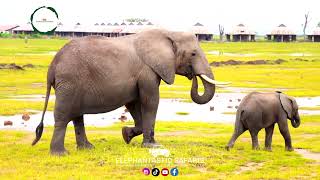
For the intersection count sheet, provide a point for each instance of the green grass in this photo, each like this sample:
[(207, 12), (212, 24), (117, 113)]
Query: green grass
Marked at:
[(182, 113), (205, 141), (299, 76), (12, 107), (310, 108), (262, 50)]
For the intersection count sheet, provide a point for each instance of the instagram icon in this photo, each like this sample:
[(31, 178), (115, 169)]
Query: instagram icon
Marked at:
[(146, 171)]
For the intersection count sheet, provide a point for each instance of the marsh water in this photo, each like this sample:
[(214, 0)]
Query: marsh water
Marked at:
[(221, 109)]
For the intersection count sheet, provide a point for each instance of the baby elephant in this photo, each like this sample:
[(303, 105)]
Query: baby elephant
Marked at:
[(263, 110)]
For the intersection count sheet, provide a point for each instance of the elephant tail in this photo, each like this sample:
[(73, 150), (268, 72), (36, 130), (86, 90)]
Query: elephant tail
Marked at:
[(39, 129), (239, 117)]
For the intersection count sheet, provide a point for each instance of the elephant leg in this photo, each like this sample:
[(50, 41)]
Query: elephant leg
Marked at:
[(57, 141), (254, 138), (284, 130), (130, 132), (149, 111), (268, 140), (81, 137), (238, 130), (149, 98)]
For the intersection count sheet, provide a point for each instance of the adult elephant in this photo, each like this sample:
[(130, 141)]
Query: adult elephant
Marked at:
[(99, 74)]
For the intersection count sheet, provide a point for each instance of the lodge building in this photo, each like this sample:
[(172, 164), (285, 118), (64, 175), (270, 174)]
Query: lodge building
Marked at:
[(241, 33), (282, 34)]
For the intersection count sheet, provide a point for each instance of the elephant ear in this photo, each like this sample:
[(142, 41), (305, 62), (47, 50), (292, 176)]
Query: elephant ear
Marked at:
[(286, 104), (157, 51)]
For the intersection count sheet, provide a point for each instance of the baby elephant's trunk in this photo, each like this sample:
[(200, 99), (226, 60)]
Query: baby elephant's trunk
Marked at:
[(295, 122)]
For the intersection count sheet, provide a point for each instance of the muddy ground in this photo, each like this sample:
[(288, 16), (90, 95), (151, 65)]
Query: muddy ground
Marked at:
[(14, 66), (253, 62)]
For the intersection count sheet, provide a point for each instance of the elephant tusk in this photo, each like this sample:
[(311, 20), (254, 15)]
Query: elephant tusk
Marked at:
[(211, 81)]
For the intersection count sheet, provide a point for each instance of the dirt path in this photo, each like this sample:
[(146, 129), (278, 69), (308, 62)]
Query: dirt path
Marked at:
[(308, 155)]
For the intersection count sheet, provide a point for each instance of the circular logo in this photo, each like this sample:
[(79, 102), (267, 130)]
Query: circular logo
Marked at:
[(155, 172), (146, 171), (44, 20), (174, 172), (165, 172)]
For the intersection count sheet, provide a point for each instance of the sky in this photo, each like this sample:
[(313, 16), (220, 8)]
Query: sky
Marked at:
[(260, 16)]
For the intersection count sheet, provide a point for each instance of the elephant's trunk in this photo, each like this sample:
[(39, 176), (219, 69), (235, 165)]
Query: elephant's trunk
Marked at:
[(295, 122), (209, 90)]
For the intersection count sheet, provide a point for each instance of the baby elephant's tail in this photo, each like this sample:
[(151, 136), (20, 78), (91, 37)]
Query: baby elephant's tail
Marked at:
[(239, 118), (39, 129)]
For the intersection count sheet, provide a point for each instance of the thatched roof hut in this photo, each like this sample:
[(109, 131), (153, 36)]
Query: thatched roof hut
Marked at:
[(282, 34), (23, 29), (79, 30), (201, 32), (315, 36), (241, 33), (7, 28)]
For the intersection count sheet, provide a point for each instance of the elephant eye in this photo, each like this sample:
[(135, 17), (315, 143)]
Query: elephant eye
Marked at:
[(193, 54)]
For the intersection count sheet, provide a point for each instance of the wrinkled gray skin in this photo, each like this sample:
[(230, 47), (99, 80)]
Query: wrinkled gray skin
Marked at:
[(263, 110), (98, 74)]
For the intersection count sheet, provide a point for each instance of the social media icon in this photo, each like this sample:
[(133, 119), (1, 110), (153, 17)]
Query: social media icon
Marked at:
[(174, 172), (155, 172), (146, 171), (165, 172)]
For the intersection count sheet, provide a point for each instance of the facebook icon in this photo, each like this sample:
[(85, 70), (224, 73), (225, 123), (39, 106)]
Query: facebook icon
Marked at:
[(174, 172)]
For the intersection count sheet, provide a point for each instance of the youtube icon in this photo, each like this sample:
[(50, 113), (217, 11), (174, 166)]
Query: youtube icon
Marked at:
[(165, 172)]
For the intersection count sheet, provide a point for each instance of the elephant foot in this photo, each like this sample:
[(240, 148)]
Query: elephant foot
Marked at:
[(86, 145), (59, 152), (268, 149), (289, 149), (125, 134), (151, 145), (228, 148), (255, 148)]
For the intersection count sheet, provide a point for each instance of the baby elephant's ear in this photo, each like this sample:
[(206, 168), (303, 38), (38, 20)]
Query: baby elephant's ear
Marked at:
[(286, 104)]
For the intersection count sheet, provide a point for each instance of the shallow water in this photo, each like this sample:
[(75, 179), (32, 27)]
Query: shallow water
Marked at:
[(169, 110), (50, 53)]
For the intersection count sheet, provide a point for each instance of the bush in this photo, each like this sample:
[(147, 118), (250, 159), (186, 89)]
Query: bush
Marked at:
[(5, 35), (36, 36)]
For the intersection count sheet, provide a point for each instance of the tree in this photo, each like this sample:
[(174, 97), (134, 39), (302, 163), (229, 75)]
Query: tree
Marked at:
[(306, 21), (319, 24), (221, 32)]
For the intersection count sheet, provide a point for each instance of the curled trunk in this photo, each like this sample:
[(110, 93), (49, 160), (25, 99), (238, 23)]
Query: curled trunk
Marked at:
[(295, 123), (209, 90)]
